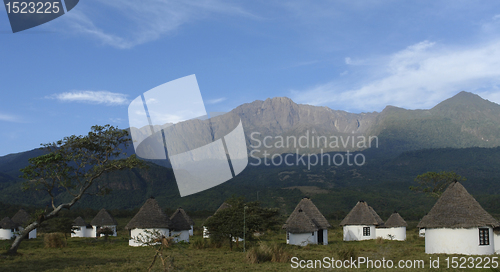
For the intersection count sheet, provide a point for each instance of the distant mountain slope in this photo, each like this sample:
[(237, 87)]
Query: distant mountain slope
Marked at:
[(446, 137), (465, 120)]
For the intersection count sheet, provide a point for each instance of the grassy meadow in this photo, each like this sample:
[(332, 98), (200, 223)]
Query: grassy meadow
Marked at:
[(264, 254)]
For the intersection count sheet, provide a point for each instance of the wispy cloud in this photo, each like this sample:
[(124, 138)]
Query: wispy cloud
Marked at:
[(419, 76), (215, 101), (138, 22), (92, 97), (10, 118)]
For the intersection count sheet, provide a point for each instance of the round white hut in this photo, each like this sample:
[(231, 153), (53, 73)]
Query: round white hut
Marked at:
[(306, 225), (189, 220), (148, 220), (360, 223), (81, 228), (457, 224), (22, 218), (101, 221), (393, 229), (180, 226), (8, 229)]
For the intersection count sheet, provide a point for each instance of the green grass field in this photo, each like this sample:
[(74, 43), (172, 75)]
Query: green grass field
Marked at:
[(88, 254)]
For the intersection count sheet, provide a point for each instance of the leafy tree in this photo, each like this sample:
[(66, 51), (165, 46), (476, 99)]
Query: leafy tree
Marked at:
[(73, 165), (63, 225), (434, 184), (228, 223), (106, 231)]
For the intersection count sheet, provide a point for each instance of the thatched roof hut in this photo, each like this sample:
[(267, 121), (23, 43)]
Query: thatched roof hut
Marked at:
[(186, 216), (395, 221), (149, 216), (103, 218), (21, 217), (299, 222), (377, 217), (307, 207), (456, 208), (223, 206), (361, 214), (79, 222), (7, 223), (179, 221)]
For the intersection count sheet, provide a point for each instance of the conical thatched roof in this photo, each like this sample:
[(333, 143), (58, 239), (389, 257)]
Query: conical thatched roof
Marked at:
[(223, 206), (6, 223), (377, 217), (103, 218), (79, 222), (360, 215), (395, 221), (21, 217), (456, 208), (179, 222), (299, 222), (307, 207), (190, 221), (149, 216)]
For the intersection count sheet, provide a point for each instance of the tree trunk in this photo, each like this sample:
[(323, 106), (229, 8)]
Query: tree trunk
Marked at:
[(17, 242)]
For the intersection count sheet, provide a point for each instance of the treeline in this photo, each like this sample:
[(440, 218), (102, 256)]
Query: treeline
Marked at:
[(383, 182)]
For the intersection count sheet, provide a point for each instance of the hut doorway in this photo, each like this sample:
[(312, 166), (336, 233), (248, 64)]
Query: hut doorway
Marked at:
[(320, 236)]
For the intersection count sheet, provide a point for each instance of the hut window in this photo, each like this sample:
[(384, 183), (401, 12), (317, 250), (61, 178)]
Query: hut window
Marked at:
[(366, 231), (484, 237), (288, 235), (312, 234)]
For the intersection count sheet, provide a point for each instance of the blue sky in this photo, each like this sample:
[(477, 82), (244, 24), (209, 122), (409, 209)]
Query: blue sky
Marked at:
[(85, 67)]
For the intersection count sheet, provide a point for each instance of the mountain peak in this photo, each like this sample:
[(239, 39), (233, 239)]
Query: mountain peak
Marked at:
[(466, 95), (463, 99)]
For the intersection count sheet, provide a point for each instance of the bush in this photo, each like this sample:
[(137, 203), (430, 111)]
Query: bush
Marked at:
[(205, 243), (347, 252), (268, 253), (54, 240), (199, 244), (379, 240)]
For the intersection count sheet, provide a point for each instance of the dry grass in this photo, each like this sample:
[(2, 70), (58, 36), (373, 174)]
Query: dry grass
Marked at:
[(268, 253), (347, 252), (54, 240), (271, 254)]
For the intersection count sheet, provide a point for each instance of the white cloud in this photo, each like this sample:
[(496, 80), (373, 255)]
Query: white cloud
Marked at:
[(215, 101), (93, 97), (419, 76), (9, 118), (137, 22)]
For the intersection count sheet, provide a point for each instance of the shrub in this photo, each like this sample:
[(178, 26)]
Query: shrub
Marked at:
[(54, 240), (379, 240), (268, 253), (199, 244)]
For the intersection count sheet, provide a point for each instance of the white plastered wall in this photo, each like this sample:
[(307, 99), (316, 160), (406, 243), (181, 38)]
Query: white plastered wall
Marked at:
[(143, 233), (457, 241), (355, 232), (398, 234)]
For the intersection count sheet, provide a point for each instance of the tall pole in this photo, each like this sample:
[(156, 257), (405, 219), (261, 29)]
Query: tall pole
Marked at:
[(244, 228)]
